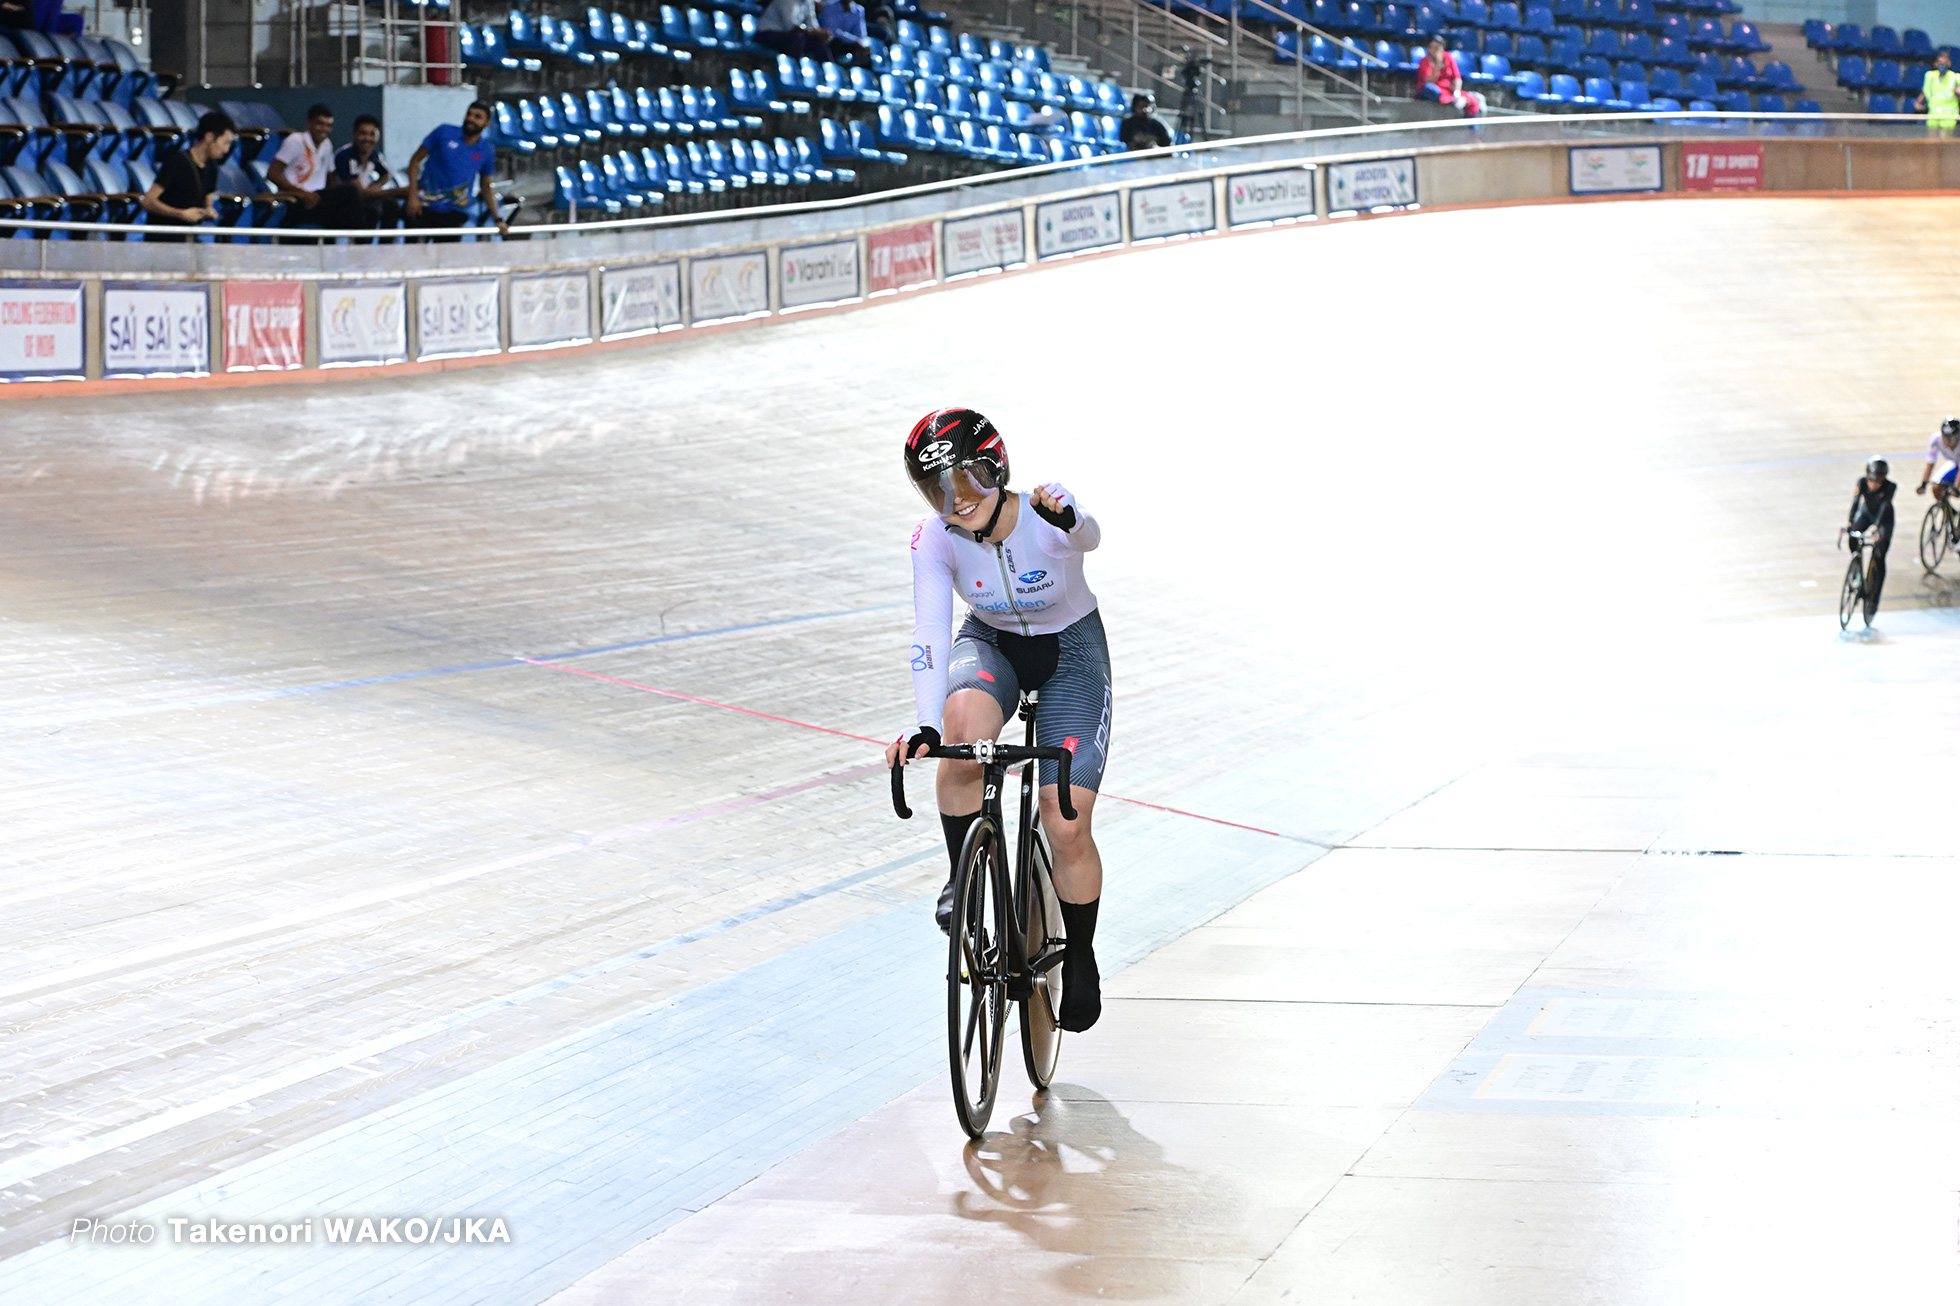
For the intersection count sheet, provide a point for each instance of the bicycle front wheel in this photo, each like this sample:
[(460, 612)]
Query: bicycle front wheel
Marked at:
[(1041, 925), (1854, 589), (976, 976), (1932, 538)]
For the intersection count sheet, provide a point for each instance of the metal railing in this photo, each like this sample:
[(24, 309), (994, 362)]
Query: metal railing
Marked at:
[(1298, 57), (552, 244)]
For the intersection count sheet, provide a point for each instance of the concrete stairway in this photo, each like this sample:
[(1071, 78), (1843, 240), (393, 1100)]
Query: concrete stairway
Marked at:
[(1815, 69)]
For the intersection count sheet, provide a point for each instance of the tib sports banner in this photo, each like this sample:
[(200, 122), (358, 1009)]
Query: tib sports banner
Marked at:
[(265, 326), (41, 331), (1719, 165), (363, 322), (156, 330), (899, 258)]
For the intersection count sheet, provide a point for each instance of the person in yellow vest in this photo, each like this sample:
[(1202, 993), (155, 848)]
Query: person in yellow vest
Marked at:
[(1939, 96)]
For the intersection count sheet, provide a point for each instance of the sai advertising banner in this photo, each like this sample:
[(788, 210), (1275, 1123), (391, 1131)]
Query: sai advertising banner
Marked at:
[(265, 326), (729, 286), (1173, 210), (363, 322), (992, 240), (1069, 226), (1722, 165), (155, 330), (41, 331), (638, 300), (900, 258), (1374, 184), (455, 319), (550, 310), (1269, 196), (1614, 169), (820, 274)]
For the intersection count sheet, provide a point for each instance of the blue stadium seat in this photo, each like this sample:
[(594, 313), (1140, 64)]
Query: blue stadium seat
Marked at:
[(1879, 102), (1665, 81), (1674, 53), (1597, 94), (1885, 76), (1852, 72), (1563, 88), (1850, 39), (1701, 87), (1529, 86), (1883, 42), (1633, 95), (1915, 44)]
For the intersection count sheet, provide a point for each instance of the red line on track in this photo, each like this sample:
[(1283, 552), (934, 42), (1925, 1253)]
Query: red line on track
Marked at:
[(845, 734)]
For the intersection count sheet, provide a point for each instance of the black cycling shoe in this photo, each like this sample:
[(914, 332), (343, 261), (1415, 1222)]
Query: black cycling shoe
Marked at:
[(1081, 992), (943, 913)]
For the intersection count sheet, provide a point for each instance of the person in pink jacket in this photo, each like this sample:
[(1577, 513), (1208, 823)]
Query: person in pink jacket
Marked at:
[(1442, 80)]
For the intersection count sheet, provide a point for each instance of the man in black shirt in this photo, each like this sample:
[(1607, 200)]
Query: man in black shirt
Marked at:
[(358, 194), (1871, 512), (1140, 131), (188, 178)]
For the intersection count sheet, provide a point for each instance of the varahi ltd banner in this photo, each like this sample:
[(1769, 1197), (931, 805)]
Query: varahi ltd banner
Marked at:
[(1269, 196), (1614, 169), (455, 319), (155, 330), (638, 300), (1070, 226), (1377, 183), (820, 274), (41, 331), (1174, 210), (363, 322), (550, 310), (265, 326), (729, 286), (992, 240), (901, 258)]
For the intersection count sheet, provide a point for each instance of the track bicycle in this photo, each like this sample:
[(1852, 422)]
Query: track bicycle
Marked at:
[(1938, 532), (1006, 942), (1855, 591)]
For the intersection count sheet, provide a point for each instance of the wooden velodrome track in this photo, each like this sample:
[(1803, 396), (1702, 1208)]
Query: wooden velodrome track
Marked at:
[(392, 831)]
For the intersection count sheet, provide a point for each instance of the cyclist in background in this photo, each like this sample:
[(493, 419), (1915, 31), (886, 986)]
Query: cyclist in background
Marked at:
[(1871, 511), (1016, 559), (1944, 448)]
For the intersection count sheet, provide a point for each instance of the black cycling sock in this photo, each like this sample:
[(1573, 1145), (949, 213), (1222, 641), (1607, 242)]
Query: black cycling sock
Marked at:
[(1081, 979), (956, 828)]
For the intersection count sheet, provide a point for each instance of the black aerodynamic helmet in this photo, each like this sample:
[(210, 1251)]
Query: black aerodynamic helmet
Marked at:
[(1950, 427), (1877, 467), (952, 448)]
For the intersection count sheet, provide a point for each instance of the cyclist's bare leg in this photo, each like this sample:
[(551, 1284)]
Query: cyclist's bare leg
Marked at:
[(1078, 864), (971, 715)]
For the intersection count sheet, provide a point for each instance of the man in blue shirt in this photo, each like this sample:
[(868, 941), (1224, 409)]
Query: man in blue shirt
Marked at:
[(844, 20), (445, 165)]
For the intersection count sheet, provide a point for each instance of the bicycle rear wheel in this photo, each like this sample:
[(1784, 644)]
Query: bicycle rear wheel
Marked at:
[(1932, 537), (1854, 589), (1041, 924), (976, 978)]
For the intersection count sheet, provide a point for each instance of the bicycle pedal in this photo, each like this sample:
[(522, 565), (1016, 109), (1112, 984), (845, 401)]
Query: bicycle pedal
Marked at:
[(1020, 988)]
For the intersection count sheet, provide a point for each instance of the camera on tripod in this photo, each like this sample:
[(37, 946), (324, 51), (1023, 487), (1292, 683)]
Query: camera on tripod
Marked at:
[(1191, 76)]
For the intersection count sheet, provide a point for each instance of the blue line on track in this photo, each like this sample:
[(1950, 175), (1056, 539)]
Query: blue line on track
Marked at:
[(298, 691)]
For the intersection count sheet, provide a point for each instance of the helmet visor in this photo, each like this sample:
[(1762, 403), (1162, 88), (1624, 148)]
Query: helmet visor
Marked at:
[(957, 488)]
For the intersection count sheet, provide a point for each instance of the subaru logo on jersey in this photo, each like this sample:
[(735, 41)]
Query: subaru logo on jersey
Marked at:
[(1030, 577)]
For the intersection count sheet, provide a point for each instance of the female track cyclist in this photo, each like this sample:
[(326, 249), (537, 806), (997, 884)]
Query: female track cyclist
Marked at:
[(1017, 561)]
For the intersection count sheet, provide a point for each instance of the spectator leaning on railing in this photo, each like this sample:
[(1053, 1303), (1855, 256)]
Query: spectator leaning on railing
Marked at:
[(445, 165), (790, 27), (1441, 80), (1939, 96), (299, 170), (187, 179), (1141, 131), (358, 194)]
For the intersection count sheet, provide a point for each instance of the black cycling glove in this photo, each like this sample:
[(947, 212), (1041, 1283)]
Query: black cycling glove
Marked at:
[(1063, 520), (926, 735)]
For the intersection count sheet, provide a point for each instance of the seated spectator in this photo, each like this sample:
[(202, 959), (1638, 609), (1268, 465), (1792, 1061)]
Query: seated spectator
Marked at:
[(187, 180), (790, 27), (883, 25), (16, 13), (449, 159), (358, 194), (299, 171), (844, 20), (1141, 131), (1442, 81)]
